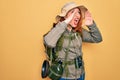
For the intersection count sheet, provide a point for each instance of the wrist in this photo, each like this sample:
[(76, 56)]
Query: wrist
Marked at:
[(66, 21)]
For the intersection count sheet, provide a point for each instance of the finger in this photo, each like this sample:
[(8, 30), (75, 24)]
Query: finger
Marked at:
[(87, 14), (73, 13)]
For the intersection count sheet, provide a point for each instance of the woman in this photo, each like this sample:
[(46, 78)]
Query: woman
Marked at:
[(69, 27)]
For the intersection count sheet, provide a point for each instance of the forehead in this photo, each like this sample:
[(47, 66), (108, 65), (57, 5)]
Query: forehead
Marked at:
[(77, 9), (72, 10)]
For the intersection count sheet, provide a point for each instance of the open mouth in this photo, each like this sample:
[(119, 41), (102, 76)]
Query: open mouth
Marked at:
[(76, 20)]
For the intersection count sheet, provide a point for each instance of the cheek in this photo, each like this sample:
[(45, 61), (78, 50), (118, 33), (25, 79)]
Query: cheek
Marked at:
[(72, 24), (72, 21)]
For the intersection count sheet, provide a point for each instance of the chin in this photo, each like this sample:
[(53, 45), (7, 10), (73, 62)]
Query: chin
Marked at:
[(73, 25)]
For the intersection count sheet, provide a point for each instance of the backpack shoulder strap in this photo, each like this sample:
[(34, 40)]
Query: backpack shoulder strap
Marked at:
[(53, 52)]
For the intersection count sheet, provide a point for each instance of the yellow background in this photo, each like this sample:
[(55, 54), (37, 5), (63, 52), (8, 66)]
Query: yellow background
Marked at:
[(23, 23)]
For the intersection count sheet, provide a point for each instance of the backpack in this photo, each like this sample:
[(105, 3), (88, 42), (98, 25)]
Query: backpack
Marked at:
[(54, 70), (50, 67)]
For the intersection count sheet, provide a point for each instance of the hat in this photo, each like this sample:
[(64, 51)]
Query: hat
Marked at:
[(68, 6)]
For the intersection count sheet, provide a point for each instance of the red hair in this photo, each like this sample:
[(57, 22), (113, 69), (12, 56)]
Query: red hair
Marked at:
[(77, 29), (79, 26)]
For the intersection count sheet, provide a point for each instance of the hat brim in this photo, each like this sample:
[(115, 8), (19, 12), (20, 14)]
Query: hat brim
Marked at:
[(82, 8), (62, 14)]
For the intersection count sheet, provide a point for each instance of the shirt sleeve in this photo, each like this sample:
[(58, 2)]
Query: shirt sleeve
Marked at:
[(92, 35), (52, 37)]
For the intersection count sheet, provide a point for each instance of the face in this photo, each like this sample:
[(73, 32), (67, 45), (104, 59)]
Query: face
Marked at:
[(74, 22)]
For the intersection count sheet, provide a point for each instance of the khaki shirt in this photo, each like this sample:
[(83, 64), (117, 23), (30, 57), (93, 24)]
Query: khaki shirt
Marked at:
[(75, 49)]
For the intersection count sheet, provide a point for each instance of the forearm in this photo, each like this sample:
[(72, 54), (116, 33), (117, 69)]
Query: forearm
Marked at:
[(93, 35)]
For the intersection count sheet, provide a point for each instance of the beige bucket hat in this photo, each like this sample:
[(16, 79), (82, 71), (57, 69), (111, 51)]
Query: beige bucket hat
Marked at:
[(68, 6)]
